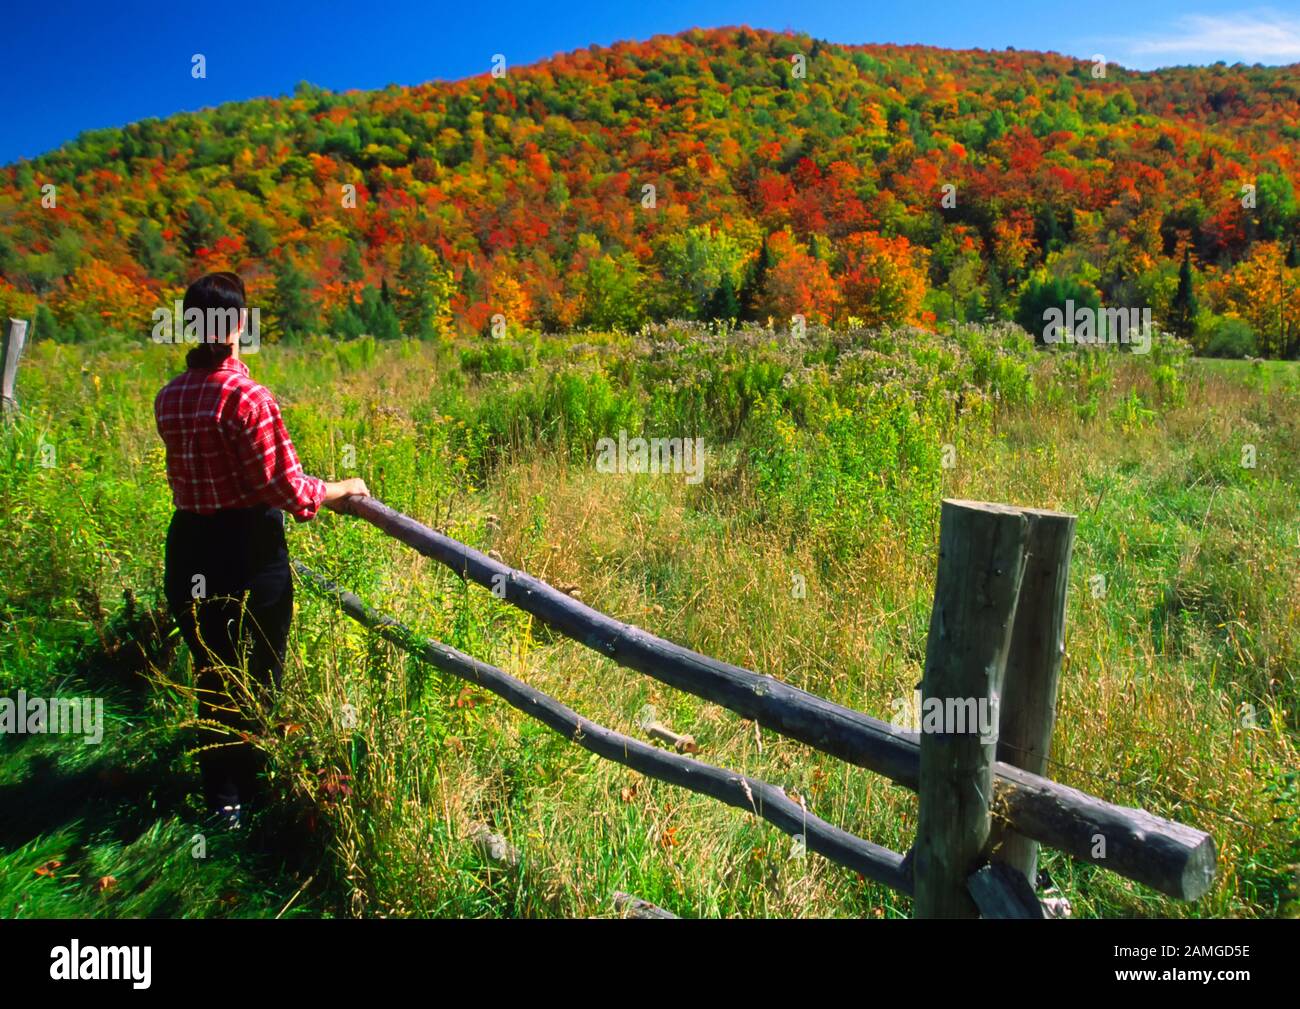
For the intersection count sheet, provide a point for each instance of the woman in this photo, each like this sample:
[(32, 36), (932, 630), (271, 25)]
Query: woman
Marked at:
[(233, 471)]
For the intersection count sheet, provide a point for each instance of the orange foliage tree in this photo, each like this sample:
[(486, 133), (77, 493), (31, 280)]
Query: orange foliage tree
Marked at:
[(98, 291), (882, 280), (797, 283)]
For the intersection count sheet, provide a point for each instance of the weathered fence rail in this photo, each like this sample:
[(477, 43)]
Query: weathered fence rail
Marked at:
[(996, 626), (739, 790)]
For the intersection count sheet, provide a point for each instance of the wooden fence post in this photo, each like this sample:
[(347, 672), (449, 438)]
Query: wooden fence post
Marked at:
[(1029, 688), (981, 563), (14, 339)]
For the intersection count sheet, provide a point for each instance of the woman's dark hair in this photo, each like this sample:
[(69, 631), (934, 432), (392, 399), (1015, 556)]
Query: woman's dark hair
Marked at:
[(220, 298)]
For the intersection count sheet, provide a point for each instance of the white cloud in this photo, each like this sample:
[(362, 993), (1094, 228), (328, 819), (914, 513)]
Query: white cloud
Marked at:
[(1263, 37)]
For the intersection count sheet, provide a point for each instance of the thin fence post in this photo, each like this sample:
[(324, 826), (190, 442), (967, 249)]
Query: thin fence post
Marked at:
[(981, 563), (14, 338), (1030, 686)]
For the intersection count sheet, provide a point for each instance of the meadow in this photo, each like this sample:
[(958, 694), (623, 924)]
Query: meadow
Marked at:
[(807, 550)]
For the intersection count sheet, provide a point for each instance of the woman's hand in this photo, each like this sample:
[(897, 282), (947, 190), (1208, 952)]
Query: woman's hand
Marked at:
[(336, 493)]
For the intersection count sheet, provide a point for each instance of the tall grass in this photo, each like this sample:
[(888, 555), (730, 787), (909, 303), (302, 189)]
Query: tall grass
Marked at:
[(826, 459)]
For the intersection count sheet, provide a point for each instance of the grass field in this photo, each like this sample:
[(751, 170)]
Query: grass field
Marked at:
[(826, 460)]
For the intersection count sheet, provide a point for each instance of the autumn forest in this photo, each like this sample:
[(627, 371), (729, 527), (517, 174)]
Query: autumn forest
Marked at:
[(725, 174)]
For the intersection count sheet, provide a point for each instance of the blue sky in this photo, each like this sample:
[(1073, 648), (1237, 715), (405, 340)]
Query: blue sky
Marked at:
[(69, 67)]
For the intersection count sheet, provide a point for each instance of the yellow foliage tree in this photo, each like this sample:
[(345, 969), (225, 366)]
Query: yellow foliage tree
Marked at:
[(98, 291), (1265, 292)]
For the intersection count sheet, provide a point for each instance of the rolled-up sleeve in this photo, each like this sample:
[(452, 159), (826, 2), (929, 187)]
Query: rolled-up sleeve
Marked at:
[(270, 465)]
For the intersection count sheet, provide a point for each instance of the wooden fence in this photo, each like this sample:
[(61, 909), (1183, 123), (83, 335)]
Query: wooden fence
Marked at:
[(995, 644), (12, 341)]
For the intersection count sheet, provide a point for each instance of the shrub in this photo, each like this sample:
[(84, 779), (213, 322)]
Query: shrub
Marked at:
[(1228, 336)]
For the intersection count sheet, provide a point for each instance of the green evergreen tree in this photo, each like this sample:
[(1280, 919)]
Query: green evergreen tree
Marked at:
[(351, 265), (292, 306), (380, 320), (200, 229), (424, 291), (1051, 236), (149, 248), (1183, 309), (259, 238), (724, 304), (370, 315), (1039, 296), (752, 289), (47, 326)]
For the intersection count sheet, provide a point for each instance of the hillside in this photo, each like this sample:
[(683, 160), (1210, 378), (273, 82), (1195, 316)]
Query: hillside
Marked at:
[(774, 193)]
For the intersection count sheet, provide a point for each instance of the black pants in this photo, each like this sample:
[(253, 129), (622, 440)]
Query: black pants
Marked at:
[(228, 585)]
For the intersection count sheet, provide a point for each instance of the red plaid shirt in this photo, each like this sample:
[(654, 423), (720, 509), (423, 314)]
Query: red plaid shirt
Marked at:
[(227, 446)]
